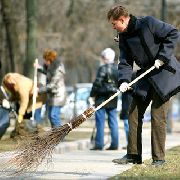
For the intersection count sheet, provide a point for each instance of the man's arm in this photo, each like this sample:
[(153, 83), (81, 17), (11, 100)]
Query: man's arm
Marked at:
[(167, 34), (125, 68)]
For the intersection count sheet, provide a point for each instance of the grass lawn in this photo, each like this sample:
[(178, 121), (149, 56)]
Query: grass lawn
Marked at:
[(170, 170), (8, 144)]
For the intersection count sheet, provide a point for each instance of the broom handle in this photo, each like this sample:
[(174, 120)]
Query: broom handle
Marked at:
[(130, 84), (34, 90)]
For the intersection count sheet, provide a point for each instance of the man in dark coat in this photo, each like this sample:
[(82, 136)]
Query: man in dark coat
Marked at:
[(104, 86), (147, 42)]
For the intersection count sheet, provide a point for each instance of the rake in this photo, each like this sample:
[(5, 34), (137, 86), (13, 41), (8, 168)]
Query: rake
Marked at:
[(30, 155)]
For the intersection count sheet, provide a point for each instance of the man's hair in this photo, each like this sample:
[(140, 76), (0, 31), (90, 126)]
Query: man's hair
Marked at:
[(116, 11)]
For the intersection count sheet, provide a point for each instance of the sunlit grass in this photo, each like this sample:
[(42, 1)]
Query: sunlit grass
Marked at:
[(170, 170)]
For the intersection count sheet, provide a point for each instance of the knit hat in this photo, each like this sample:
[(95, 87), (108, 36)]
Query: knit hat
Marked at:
[(108, 54)]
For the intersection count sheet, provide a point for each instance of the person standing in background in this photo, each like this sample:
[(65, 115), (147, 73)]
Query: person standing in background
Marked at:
[(55, 86), (104, 86), (4, 112)]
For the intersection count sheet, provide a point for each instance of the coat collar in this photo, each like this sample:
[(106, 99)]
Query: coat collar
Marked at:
[(131, 26)]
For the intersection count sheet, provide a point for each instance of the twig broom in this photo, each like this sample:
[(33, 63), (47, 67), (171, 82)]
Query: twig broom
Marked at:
[(32, 154)]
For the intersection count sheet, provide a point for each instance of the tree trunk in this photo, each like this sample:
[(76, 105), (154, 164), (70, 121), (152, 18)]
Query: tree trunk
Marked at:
[(31, 53), (1, 47), (11, 34)]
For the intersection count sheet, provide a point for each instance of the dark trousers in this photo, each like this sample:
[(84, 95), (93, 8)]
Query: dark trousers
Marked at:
[(159, 111)]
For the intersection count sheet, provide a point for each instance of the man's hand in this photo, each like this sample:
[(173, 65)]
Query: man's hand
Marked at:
[(158, 63), (124, 87), (20, 118), (5, 104), (91, 101)]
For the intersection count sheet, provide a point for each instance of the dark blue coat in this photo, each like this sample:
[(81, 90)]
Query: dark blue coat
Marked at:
[(146, 40)]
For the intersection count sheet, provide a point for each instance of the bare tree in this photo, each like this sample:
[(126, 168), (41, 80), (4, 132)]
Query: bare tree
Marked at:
[(1, 46), (77, 29), (11, 34), (31, 48)]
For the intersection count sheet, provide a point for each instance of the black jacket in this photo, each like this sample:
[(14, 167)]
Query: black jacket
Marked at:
[(146, 40), (105, 85)]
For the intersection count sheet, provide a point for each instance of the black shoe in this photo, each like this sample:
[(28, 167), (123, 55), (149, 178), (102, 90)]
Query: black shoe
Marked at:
[(112, 148), (158, 162), (135, 159), (96, 148)]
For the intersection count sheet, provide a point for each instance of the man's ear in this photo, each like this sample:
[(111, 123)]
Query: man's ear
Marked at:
[(123, 19)]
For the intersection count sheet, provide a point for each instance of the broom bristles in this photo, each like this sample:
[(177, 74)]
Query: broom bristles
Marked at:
[(31, 154)]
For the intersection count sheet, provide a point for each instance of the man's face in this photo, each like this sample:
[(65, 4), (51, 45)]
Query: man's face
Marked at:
[(120, 24)]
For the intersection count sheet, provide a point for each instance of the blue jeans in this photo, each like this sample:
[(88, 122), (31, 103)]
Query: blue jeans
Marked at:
[(4, 121), (54, 115), (126, 128), (37, 115), (112, 123)]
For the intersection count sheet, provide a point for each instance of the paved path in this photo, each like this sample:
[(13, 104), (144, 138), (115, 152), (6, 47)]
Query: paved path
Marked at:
[(85, 164)]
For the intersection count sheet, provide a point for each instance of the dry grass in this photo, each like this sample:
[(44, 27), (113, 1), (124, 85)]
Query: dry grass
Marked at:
[(170, 170), (7, 144)]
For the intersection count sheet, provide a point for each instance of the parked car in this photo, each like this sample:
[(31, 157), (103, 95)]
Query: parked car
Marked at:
[(77, 101)]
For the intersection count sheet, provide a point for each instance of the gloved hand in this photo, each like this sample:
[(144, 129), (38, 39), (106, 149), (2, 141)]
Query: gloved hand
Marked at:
[(124, 87), (91, 101), (158, 63), (20, 118), (5, 104)]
